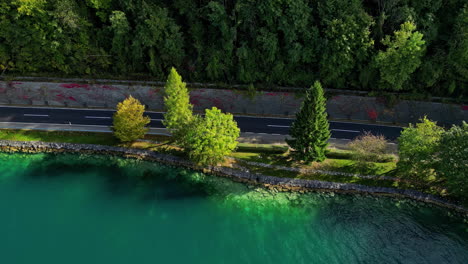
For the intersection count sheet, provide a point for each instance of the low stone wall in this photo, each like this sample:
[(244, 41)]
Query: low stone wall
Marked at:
[(275, 183), (349, 107)]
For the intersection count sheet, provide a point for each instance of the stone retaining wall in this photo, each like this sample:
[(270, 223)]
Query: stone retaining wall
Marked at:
[(349, 107), (276, 183)]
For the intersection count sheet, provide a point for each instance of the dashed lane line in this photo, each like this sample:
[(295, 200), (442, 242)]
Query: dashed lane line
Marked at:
[(344, 130), (35, 115), (98, 117)]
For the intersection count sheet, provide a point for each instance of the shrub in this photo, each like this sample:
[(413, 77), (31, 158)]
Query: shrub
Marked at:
[(368, 147), (129, 122)]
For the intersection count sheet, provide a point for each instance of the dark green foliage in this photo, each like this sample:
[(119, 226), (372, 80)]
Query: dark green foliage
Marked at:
[(283, 42), (347, 41), (310, 131), (453, 160), (120, 29), (458, 53)]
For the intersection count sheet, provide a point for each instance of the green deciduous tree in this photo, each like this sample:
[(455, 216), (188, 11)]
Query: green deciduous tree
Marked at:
[(453, 160), (211, 138), (129, 123), (310, 131), (179, 114), (346, 40), (416, 148), (401, 58)]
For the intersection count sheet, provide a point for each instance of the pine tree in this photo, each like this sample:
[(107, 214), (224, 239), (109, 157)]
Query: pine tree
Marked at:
[(310, 131), (129, 122), (179, 113)]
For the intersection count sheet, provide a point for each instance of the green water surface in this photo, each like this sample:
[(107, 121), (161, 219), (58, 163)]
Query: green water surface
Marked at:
[(95, 209)]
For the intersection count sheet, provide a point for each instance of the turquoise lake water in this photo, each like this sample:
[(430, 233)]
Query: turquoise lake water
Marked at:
[(94, 209)]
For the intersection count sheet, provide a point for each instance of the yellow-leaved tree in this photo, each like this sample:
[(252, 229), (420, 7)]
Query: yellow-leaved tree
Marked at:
[(129, 122)]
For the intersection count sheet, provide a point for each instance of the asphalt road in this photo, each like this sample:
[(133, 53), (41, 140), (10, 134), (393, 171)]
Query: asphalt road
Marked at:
[(265, 125)]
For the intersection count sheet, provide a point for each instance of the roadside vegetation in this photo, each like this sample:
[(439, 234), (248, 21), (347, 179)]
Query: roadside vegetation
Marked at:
[(430, 158), (450, 183), (310, 131), (206, 139), (129, 123), (431, 154)]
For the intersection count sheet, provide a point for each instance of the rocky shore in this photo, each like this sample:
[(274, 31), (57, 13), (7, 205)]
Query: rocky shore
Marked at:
[(273, 183)]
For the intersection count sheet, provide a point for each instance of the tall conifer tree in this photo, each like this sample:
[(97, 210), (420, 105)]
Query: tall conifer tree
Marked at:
[(179, 115), (310, 131)]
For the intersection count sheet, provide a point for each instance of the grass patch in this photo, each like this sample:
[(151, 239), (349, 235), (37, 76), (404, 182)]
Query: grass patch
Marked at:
[(68, 137), (261, 148), (330, 164), (59, 136)]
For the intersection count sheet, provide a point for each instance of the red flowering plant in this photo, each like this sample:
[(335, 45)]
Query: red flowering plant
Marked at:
[(75, 85), (372, 114)]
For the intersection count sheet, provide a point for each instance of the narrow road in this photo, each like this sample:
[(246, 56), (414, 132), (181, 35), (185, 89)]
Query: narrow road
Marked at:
[(247, 124)]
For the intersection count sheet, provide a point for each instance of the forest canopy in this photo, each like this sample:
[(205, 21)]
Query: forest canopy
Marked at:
[(379, 45)]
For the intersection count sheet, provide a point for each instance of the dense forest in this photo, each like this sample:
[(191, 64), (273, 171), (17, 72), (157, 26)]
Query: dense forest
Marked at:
[(380, 45)]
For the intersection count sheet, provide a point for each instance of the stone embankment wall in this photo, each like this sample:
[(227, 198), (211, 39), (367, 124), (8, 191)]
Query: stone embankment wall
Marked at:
[(234, 101), (275, 183)]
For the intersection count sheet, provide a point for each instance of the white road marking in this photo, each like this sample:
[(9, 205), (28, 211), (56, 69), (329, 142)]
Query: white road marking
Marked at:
[(53, 124), (98, 117), (340, 130), (277, 126), (156, 119), (36, 115), (344, 130), (264, 117), (364, 122), (55, 108), (156, 112)]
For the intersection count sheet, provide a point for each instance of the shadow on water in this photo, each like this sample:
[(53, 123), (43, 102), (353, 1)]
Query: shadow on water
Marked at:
[(123, 177)]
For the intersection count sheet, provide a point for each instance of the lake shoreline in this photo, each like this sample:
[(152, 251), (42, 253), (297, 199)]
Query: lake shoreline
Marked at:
[(273, 183)]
